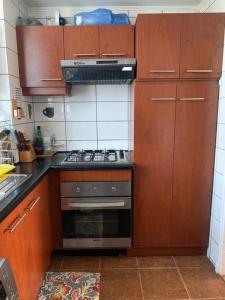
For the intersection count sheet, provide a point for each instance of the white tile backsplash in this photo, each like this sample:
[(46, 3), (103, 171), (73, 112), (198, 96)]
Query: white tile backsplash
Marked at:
[(83, 145), (218, 188), (215, 230), (4, 87), (112, 130), (112, 92), (10, 37), (112, 111), (81, 131), (216, 207), (5, 111), (220, 136), (80, 111), (82, 93), (59, 114), (13, 67), (221, 113), (2, 34), (56, 128), (90, 122), (220, 161), (3, 60)]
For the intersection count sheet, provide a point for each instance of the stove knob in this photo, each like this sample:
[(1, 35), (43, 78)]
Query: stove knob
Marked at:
[(121, 154), (78, 189), (95, 188)]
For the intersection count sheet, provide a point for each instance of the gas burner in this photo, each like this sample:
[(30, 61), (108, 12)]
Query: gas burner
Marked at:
[(95, 156)]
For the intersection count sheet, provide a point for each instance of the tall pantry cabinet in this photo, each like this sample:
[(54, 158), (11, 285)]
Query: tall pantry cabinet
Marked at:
[(176, 100)]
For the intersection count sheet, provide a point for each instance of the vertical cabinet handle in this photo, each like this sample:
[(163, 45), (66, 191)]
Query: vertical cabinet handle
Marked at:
[(33, 203), (15, 223)]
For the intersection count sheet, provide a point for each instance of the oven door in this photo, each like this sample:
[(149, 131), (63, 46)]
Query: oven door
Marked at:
[(101, 222)]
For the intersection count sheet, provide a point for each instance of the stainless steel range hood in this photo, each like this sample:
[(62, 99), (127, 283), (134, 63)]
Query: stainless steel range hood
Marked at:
[(100, 71)]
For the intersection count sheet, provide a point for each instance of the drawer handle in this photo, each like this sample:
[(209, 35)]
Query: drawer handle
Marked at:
[(84, 54), (114, 54), (162, 71), (96, 205), (192, 99), (15, 223), (163, 99), (51, 79), (32, 204), (199, 71)]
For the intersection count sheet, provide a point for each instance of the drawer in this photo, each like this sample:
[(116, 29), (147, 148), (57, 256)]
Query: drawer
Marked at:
[(95, 189)]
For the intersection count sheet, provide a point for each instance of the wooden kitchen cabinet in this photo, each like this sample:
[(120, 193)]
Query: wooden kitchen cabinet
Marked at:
[(40, 49), (174, 145), (196, 115), (28, 244), (81, 42), (153, 156), (202, 39), (158, 45), (179, 45), (116, 41)]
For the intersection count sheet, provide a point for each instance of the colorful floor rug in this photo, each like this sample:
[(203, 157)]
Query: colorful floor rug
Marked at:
[(70, 286)]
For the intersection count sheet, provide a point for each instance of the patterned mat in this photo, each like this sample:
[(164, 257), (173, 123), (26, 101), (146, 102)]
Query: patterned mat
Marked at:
[(70, 286)]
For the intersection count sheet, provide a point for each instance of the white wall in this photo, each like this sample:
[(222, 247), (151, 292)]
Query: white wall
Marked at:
[(9, 70)]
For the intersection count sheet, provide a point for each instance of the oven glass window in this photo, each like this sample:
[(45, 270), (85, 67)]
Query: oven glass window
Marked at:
[(3, 295), (96, 223)]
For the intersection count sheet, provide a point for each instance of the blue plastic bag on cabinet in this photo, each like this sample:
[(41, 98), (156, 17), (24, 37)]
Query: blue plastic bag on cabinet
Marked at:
[(121, 19), (99, 16)]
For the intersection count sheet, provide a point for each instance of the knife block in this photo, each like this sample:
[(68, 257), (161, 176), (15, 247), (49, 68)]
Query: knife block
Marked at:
[(27, 155)]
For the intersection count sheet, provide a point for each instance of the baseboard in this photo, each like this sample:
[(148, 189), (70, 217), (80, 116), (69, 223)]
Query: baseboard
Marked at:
[(167, 251)]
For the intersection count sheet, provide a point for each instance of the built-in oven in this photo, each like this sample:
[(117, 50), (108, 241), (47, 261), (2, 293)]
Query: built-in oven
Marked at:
[(8, 290), (96, 214)]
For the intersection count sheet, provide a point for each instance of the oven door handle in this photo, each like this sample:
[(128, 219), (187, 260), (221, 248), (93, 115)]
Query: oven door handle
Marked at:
[(95, 205)]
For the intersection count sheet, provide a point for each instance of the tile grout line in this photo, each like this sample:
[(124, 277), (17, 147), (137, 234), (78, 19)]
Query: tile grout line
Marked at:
[(181, 277), (139, 275)]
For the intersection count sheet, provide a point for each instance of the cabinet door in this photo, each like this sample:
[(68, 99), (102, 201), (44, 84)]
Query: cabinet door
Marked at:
[(153, 157), (81, 42), (116, 41), (196, 114), (202, 38), (13, 247), (158, 46), (40, 50)]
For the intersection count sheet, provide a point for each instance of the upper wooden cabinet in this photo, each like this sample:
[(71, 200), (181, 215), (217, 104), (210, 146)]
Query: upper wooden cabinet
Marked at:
[(40, 50), (82, 42), (158, 46), (116, 41), (179, 46), (202, 38)]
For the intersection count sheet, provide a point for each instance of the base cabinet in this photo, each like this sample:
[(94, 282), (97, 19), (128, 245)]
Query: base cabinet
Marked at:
[(175, 132), (25, 238)]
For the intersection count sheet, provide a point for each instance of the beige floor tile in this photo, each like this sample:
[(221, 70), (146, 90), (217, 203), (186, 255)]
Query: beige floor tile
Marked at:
[(193, 261), (156, 262), (162, 284), (203, 283), (77, 263), (112, 262), (120, 285)]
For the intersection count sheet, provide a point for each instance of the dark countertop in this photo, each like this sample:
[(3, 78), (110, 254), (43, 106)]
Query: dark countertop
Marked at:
[(39, 169)]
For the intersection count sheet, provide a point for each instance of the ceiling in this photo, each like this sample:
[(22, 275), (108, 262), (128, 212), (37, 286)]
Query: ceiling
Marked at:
[(64, 3)]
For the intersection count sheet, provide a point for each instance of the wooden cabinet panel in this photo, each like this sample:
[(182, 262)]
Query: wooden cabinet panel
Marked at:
[(196, 113), (153, 157), (116, 41), (96, 175), (81, 42), (40, 50), (158, 45), (28, 246), (202, 39)]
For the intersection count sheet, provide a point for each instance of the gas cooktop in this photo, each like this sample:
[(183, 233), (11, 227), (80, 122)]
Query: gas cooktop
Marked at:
[(96, 156)]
